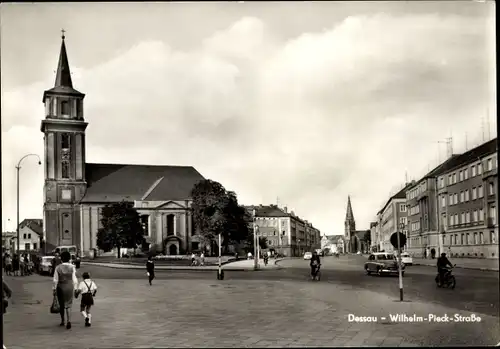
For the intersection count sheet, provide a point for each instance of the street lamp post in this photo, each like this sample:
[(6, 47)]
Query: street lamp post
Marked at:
[(18, 168), (255, 243)]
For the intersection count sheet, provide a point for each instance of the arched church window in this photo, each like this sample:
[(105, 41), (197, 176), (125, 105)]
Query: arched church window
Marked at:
[(65, 108), (65, 141)]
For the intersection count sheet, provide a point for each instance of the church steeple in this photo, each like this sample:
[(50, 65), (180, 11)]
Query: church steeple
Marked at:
[(349, 215), (63, 77)]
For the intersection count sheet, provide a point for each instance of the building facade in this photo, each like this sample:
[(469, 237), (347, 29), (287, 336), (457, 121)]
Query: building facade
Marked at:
[(422, 219), (393, 217), (285, 232), (75, 191), (468, 204), (30, 234)]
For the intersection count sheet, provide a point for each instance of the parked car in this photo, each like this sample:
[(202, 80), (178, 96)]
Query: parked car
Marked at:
[(45, 266), (307, 256), (382, 263)]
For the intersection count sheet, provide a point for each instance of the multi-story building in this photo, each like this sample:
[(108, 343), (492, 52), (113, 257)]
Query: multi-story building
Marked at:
[(285, 232), (468, 203), (392, 218)]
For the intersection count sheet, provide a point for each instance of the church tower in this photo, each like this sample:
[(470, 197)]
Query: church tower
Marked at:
[(64, 143), (349, 224)]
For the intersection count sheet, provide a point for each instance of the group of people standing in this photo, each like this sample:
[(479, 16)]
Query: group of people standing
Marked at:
[(18, 265)]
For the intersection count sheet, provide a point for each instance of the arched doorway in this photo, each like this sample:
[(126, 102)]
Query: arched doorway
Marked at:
[(172, 246), (172, 250)]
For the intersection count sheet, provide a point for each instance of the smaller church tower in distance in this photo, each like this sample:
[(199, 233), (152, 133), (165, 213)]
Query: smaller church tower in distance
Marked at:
[(349, 225), (64, 143)]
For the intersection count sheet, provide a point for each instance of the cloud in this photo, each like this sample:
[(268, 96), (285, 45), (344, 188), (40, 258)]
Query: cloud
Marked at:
[(347, 110)]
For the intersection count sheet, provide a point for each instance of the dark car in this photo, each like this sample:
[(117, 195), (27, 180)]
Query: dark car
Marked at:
[(382, 263)]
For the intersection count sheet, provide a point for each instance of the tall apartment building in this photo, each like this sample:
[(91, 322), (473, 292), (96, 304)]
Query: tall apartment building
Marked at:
[(285, 232), (468, 204), (391, 217)]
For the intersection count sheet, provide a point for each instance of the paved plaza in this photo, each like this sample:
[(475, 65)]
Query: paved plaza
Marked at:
[(248, 309)]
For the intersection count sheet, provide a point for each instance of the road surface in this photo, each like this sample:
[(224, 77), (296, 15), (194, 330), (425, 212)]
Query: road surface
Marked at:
[(272, 308)]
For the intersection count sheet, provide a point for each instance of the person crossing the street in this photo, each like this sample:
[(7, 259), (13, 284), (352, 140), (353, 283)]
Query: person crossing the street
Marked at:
[(150, 268), (88, 289)]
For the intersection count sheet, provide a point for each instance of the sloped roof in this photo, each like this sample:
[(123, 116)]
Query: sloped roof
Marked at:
[(334, 238), (472, 155), (399, 195), (34, 224), (267, 211), (117, 182)]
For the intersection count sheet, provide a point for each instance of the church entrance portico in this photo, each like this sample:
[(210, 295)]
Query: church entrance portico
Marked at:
[(172, 245)]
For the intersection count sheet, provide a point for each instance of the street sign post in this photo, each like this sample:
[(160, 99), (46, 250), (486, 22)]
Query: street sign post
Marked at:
[(398, 240)]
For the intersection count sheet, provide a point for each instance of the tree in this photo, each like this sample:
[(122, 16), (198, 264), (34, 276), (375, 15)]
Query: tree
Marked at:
[(216, 211), (121, 227)]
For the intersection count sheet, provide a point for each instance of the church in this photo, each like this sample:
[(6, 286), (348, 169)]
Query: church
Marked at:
[(76, 191), (354, 239)]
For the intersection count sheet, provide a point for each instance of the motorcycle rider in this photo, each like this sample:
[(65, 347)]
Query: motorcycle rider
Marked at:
[(315, 263), (442, 263)]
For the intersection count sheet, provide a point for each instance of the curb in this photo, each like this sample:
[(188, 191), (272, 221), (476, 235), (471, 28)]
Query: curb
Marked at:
[(459, 267), (181, 268)]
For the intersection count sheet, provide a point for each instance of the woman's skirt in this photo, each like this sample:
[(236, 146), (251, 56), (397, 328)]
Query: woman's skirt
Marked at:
[(65, 294)]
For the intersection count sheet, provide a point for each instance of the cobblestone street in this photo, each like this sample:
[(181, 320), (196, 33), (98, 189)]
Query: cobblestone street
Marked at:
[(231, 313)]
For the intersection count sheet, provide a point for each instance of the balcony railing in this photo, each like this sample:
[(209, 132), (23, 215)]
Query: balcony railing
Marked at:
[(465, 225), (491, 222), (489, 173)]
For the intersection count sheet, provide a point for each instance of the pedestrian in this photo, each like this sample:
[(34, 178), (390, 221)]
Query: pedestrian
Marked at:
[(8, 265), (15, 265), (150, 268), (202, 258), (64, 285), (88, 289), (55, 262), (193, 259), (249, 255)]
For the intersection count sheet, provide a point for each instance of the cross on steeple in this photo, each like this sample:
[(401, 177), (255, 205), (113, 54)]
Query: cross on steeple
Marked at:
[(63, 31)]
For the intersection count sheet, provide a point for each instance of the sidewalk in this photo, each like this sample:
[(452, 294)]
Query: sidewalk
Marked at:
[(242, 265), (464, 263)]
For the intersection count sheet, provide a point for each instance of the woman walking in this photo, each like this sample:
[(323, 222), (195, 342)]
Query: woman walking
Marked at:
[(65, 282), (150, 267)]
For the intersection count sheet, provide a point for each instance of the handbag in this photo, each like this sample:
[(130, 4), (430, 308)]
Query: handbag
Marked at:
[(55, 308)]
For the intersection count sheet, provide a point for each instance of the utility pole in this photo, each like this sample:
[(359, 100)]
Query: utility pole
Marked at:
[(466, 145), (255, 243)]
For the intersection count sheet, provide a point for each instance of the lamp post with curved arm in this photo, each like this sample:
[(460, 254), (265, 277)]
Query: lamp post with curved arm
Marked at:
[(18, 168)]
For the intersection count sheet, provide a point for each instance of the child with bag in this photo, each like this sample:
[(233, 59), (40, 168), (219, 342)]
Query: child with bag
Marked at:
[(88, 289)]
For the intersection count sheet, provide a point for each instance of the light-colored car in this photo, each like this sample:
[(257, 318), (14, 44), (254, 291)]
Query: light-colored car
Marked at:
[(308, 255), (406, 258), (46, 265), (382, 263)]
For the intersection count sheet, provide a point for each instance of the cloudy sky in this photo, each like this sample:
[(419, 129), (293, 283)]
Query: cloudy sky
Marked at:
[(308, 102)]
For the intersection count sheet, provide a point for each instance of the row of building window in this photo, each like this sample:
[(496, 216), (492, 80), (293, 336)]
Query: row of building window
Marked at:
[(415, 192), (414, 210), (478, 239), (463, 175), (415, 226), (477, 193), (477, 216)]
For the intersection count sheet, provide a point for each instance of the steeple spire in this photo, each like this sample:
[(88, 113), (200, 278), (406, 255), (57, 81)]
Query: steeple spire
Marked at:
[(63, 77), (349, 216)]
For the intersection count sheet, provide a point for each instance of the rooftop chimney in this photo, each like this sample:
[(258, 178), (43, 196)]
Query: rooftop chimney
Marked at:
[(285, 209)]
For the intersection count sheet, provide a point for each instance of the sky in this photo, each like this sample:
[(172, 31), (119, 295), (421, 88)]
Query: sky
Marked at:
[(299, 103)]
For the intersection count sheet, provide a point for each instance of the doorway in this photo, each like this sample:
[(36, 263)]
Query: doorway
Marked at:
[(172, 250)]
